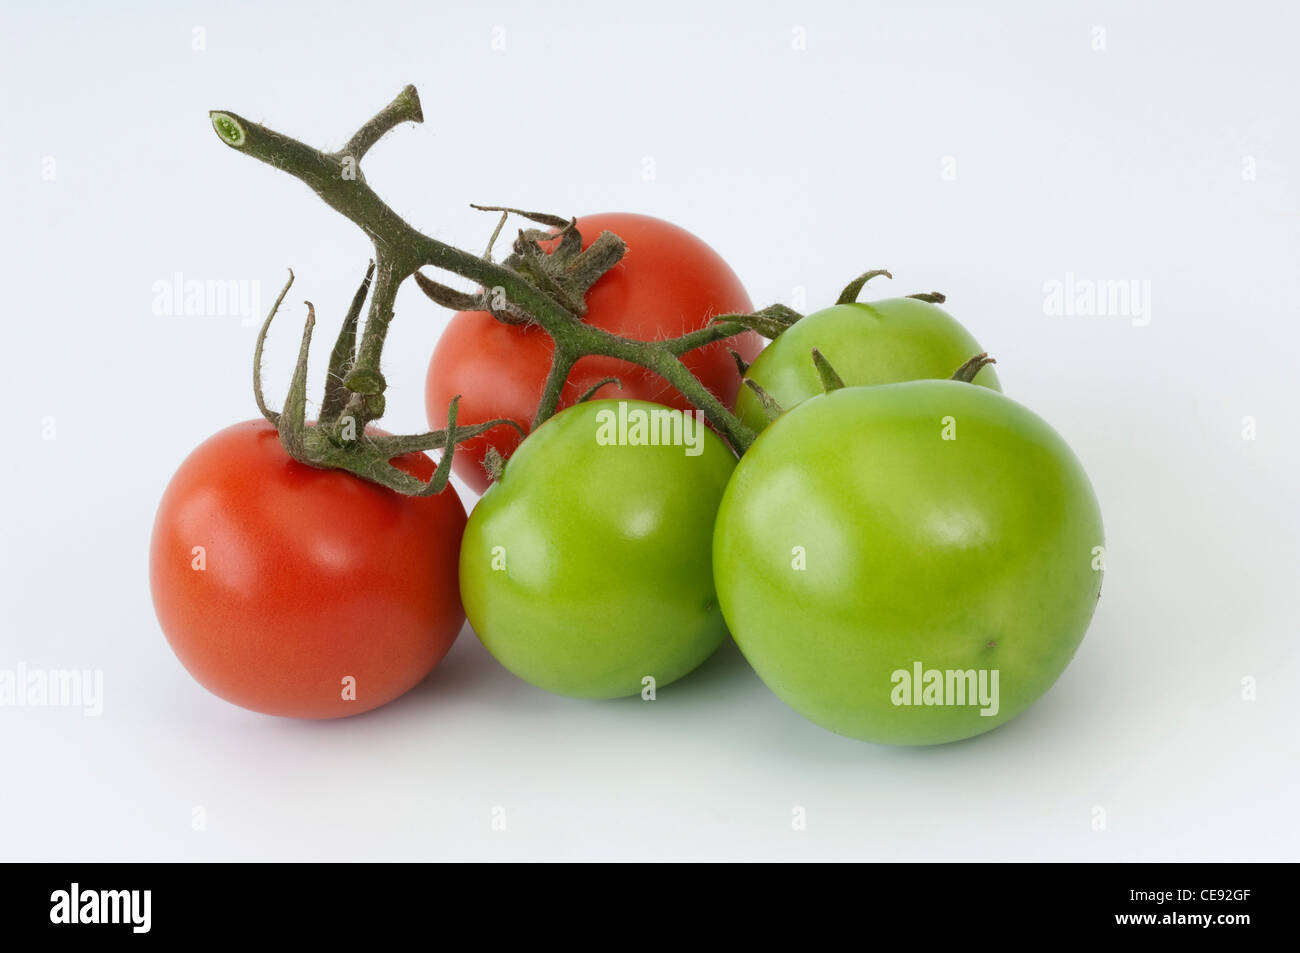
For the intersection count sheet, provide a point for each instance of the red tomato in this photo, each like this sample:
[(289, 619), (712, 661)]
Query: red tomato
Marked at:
[(306, 577), (669, 282)]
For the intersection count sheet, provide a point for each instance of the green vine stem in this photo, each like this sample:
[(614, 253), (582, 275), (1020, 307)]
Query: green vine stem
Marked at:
[(545, 286)]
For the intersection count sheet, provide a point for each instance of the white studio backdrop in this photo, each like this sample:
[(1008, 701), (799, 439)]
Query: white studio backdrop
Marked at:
[(987, 151)]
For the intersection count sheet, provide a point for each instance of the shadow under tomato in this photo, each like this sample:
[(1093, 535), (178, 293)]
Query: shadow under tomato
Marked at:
[(723, 674), (468, 674)]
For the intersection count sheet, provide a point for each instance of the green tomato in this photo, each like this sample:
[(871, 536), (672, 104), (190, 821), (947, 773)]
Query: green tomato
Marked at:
[(586, 568), (874, 536), (883, 342)]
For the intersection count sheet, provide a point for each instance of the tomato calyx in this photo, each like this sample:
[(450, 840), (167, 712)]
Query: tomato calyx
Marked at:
[(831, 380), (338, 438), (765, 400), (854, 288), (553, 261), (973, 366)]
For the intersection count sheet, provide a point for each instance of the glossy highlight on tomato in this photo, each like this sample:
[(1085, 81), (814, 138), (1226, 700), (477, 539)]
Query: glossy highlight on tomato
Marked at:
[(668, 283), (286, 589)]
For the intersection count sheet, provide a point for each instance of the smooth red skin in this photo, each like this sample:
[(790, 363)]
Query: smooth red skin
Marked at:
[(669, 282), (312, 575)]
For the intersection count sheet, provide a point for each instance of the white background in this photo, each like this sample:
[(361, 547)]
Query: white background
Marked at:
[(803, 167)]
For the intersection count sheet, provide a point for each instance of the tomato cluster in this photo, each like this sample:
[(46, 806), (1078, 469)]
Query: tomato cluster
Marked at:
[(903, 557)]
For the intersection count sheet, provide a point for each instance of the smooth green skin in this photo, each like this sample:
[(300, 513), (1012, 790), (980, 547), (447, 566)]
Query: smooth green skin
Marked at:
[(608, 572), (972, 553), (883, 342)]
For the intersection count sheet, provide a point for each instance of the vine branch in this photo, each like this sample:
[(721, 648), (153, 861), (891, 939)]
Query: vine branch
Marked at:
[(544, 287)]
